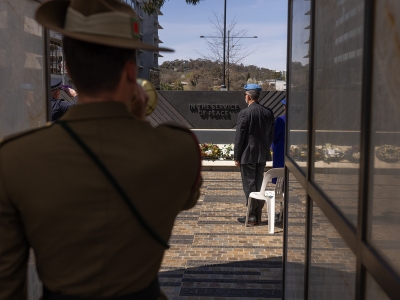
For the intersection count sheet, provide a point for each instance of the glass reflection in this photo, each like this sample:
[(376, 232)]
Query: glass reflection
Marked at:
[(299, 68), (295, 264), (22, 97), (22, 93), (385, 217), (373, 290), (337, 100), (333, 265)]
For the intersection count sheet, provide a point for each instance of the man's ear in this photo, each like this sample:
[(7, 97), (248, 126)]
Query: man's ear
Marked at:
[(130, 68)]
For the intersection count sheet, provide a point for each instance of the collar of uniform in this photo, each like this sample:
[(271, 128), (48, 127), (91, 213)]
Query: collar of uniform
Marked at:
[(96, 110)]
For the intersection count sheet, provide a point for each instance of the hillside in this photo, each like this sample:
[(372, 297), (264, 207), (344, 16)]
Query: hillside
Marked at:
[(205, 75)]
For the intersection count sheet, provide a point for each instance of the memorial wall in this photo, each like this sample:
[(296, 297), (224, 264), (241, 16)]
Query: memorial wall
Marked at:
[(208, 109)]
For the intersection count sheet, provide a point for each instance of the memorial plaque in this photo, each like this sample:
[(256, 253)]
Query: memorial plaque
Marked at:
[(208, 109)]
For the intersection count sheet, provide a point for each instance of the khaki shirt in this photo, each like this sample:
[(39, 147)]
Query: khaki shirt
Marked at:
[(54, 199)]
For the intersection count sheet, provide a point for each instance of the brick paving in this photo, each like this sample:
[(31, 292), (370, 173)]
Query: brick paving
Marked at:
[(212, 256)]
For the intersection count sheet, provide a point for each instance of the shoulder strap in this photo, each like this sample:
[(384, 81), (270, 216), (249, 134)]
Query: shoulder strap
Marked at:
[(114, 182)]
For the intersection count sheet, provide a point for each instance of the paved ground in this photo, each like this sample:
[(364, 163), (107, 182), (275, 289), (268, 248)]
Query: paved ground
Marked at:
[(214, 256)]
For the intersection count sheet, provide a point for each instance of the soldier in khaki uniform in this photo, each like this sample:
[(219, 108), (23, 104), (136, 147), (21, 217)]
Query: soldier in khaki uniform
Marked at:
[(55, 199)]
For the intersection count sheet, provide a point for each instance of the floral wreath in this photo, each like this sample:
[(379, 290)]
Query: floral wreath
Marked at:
[(388, 153)]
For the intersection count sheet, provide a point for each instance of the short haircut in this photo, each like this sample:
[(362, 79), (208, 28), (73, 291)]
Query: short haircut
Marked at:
[(254, 94), (95, 68)]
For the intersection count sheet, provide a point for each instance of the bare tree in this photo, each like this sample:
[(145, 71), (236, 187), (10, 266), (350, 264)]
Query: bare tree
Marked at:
[(236, 52)]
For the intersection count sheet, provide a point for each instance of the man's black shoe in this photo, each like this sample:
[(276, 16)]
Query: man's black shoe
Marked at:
[(252, 220)]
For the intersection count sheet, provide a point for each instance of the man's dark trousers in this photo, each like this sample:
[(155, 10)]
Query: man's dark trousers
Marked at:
[(252, 177)]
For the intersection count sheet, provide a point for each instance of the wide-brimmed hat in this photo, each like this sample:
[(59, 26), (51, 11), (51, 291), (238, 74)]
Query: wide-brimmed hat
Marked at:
[(104, 22)]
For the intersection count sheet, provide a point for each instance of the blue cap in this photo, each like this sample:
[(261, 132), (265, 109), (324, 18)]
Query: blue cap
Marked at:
[(252, 86), (55, 84), (283, 101)]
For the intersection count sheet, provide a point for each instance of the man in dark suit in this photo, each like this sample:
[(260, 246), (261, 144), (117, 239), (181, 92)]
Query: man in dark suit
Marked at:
[(254, 133)]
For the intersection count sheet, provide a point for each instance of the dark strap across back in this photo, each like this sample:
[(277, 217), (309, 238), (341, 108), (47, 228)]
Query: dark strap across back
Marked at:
[(115, 184)]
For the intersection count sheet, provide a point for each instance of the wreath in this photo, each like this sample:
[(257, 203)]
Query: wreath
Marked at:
[(210, 151), (353, 154), (388, 153), (299, 152), (332, 153)]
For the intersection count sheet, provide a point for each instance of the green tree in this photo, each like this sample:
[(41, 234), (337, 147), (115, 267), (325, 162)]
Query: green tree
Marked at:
[(248, 76), (166, 87), (178, 86), (151, 6)]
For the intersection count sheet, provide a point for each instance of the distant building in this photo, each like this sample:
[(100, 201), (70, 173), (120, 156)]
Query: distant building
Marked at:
[(280, 85), (147, 61)]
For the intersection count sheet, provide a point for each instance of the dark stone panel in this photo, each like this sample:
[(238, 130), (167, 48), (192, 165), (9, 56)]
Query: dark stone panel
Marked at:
[(300, 224), (223, 272), (210, 109), (224, 189), (220, 292), (239, 264), (217, 222), (225, 199), (238, 246), (294, 200), (181, 242), (245, 234), (182, 237), (221, 179), (319, 249), (189, 213), (207, 109), (249, 281), (187, 218), (333, 266), (176, 269), (168, 275), (337, 243), (170, 283)]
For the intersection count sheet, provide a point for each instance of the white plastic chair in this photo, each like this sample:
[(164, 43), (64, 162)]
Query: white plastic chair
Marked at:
[(271, 197)]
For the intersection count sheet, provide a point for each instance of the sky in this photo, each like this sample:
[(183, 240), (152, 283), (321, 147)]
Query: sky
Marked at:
[(183, 24)]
